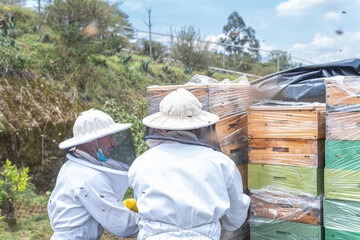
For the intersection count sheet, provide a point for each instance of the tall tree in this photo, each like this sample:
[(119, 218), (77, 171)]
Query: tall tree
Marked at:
[(237, 33), (188, 47)]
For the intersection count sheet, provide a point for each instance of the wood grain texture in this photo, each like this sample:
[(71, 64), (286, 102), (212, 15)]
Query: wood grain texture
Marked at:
[(344, 215), (236, 149), (342, 92), (290, 152), (287, 179), (269, 229), (299, 124), (343, 126), (231, 127), (243, 169), (287, 207), (342, 184), (343, 155), (336, 234)]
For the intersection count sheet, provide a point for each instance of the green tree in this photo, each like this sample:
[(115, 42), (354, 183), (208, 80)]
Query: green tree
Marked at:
[(188, 48), (237, 33), (158, 48)]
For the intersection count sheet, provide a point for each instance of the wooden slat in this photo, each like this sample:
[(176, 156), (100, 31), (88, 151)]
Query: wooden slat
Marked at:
[(340, 92), (287, 179), (336, 234), (286, 207), (232, 127), (157, 93), (342, 184), (342, 155), (231, 99), (286, 124), (244, 174), (343, 215), (320, 107), (290, 152), (269, 229), (236, 149), (343, 126)]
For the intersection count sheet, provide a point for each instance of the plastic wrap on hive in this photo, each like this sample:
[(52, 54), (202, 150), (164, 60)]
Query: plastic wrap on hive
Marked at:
[(280, 206), (284, 133), (342, 146), (342, 215), (270, 229)]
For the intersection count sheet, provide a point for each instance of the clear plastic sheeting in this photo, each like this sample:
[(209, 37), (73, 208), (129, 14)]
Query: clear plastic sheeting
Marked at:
[(342, 215), (205, 80), (304, 84), (280, 206), (270, 229), (342, 165)]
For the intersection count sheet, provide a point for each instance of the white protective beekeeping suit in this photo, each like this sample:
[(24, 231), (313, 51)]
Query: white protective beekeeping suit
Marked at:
[(88, 196), (182, 190)]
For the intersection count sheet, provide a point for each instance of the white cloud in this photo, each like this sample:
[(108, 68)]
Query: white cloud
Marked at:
[(329, 48), (331, 9), (332, 16), (297, 7)]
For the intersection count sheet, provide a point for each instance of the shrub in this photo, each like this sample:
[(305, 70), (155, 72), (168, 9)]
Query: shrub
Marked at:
[(145, 66), (12, 181)]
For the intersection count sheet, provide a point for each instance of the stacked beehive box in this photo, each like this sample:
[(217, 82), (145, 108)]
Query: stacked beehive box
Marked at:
[(342, 161), (229, 102), (285, 171)]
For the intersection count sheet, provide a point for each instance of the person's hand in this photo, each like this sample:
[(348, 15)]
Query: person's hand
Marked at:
[(130, 203)]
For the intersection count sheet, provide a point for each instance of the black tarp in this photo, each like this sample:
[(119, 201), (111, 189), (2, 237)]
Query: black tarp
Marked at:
[(305, 84)]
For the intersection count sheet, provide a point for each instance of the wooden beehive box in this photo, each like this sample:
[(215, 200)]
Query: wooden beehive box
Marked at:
[(343, 93), (270, 229), (336, 234), (342, 184), (343, 155), (343, 126), (221, 99), (244, 176), (287, 179), (287, 207), (343, 215), (290, 152), (299, 122)]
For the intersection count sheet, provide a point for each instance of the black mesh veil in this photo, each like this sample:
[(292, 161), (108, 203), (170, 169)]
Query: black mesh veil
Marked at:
[(205, 136), (118, 149)]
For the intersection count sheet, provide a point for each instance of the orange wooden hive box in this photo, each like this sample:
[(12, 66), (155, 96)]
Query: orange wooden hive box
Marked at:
[(293, 208)]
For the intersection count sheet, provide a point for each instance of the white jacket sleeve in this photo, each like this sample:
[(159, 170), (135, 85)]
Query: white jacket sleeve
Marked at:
[(239, 203), (107, 208)]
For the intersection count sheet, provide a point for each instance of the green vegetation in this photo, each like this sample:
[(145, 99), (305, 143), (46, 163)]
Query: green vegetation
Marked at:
[(11, 181)]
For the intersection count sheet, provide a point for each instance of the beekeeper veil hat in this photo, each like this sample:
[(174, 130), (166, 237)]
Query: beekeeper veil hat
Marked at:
[(180, 110), (97, 138), (181, 119)]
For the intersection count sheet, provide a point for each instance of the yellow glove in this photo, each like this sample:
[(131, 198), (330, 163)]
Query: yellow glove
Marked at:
[(130, 203)]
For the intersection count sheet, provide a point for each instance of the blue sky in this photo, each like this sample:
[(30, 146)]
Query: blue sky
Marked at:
[(304, 28)]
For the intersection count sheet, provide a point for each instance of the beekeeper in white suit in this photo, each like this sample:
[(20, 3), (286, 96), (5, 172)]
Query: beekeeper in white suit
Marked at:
[(184, 185), (88, 196)]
